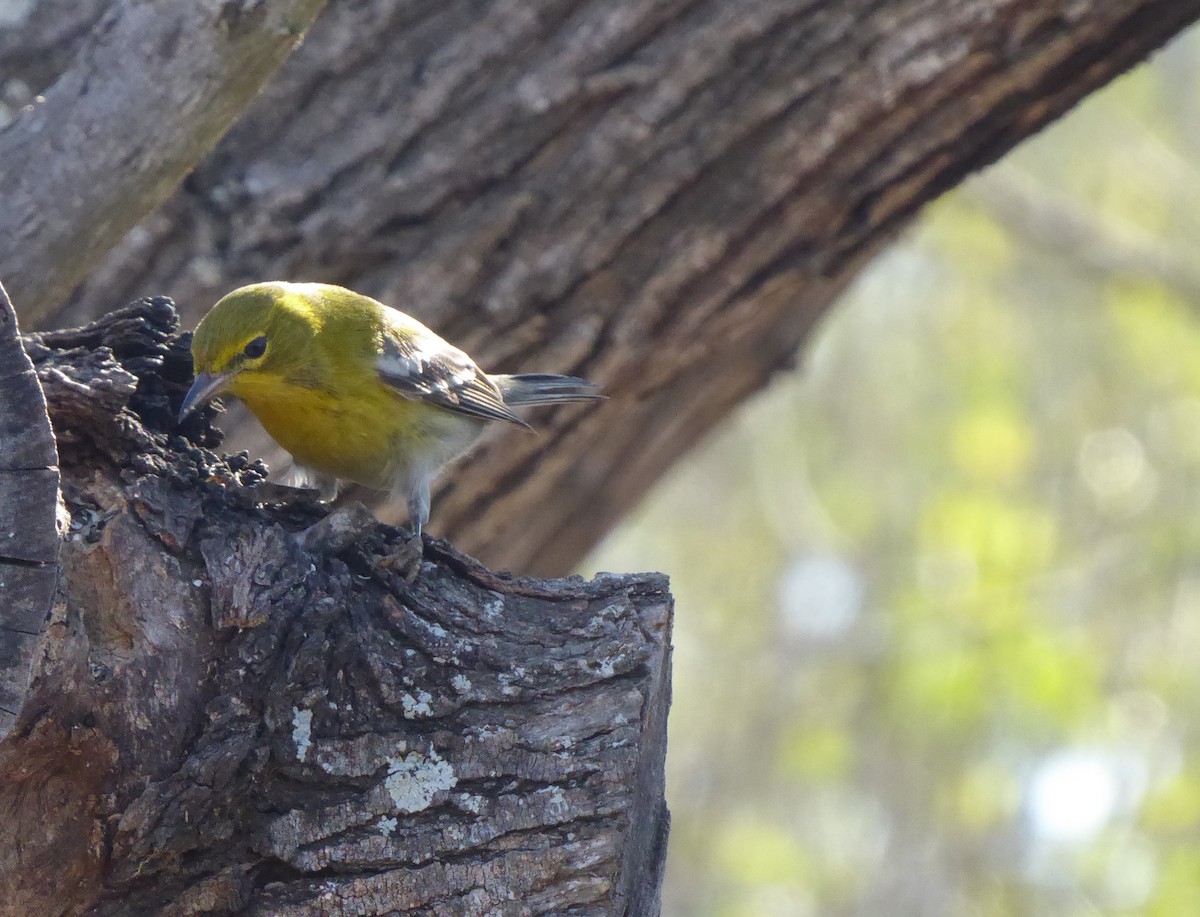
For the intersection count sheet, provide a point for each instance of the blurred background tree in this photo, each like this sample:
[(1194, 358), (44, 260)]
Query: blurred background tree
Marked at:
[(939, 590)]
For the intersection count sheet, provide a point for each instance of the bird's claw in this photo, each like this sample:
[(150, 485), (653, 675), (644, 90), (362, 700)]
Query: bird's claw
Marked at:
[(404, 559)]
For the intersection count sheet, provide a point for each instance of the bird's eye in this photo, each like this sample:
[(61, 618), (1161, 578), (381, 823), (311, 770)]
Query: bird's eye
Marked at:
[(256, 348)]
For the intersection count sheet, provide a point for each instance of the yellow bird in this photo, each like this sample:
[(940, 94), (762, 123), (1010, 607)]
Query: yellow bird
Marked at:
[(355, 390)]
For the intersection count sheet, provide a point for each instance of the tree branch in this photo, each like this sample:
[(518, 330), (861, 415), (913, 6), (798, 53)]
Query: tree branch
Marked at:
[(150, 93), (1058, 224)]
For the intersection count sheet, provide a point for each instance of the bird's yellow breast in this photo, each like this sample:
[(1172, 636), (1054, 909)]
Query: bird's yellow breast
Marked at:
[(360, 438)]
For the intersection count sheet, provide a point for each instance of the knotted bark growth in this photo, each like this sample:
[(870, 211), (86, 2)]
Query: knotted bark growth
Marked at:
[(236, 709)]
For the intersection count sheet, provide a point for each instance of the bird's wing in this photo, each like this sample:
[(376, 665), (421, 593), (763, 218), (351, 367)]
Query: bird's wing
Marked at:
[(420, 365)]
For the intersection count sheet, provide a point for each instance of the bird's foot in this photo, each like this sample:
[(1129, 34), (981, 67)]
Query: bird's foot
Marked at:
[(405, 558)]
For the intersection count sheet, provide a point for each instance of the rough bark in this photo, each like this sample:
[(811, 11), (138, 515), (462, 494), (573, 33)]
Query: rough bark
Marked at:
[(237, 709), (28, 516), (660, 195), (152, 90)]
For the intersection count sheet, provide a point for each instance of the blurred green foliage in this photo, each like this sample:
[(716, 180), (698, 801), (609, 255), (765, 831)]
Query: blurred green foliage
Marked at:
[(938, 621)]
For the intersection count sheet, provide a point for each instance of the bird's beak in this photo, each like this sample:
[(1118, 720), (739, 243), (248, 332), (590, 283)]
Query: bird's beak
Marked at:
[(203, 390)]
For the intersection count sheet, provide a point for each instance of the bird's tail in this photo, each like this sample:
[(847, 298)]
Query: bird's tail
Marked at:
[(544, 388)]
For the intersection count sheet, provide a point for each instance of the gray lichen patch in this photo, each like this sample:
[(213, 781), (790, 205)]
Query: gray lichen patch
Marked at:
[(413, 780)]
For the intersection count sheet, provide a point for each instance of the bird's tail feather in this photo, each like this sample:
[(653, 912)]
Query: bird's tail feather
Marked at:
[(544, 388)]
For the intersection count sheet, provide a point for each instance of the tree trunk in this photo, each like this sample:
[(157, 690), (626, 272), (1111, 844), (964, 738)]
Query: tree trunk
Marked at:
[(237, 708), (662, 196), (153, 89), (29, 572)]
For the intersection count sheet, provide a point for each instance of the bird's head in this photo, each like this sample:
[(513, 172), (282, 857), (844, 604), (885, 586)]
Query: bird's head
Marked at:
[(256, 337)]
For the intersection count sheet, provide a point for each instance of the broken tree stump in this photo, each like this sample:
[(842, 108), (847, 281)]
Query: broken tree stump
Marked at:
[(232, 711)]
